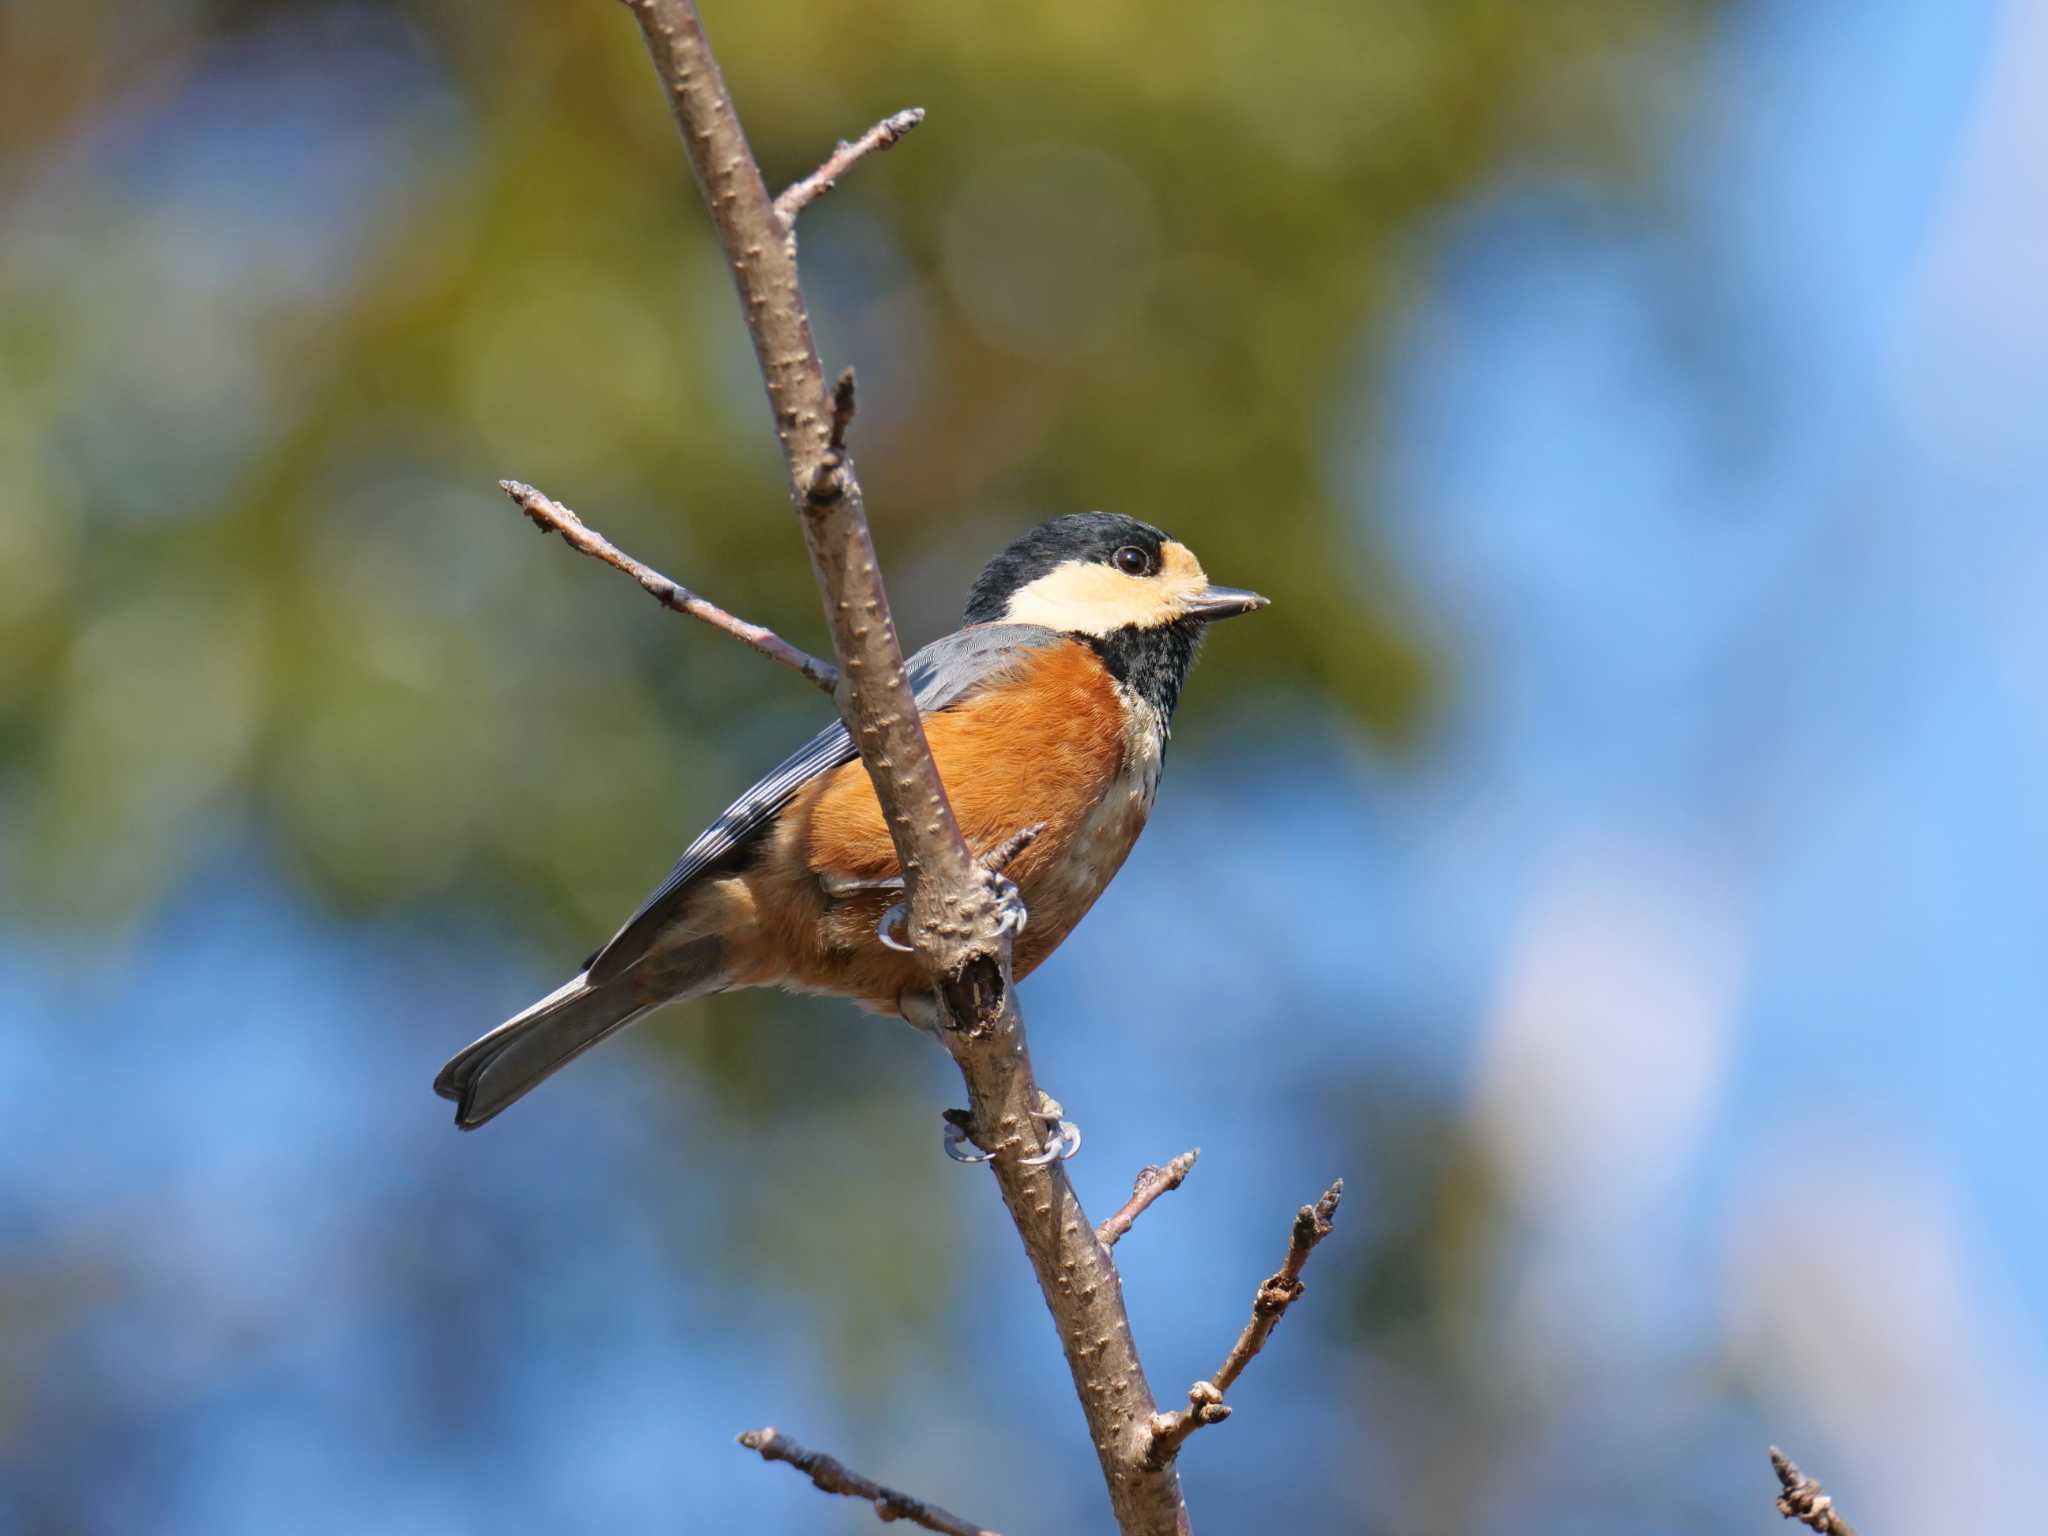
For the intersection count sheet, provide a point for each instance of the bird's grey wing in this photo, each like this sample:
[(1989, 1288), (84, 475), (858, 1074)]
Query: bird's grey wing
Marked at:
[(947, 672)]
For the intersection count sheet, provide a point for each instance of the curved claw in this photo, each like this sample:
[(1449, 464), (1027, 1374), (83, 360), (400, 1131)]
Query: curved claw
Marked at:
[(896, 914), (1011, 914), (1070, 1138), (956, 1138), (1065, 1143)]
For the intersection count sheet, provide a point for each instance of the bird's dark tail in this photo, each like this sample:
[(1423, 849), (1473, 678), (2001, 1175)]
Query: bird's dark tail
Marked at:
[(521, 1053)]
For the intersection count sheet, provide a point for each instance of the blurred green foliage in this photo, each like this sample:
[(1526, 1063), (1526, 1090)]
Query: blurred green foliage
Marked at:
[(263, 354), (251, 560)]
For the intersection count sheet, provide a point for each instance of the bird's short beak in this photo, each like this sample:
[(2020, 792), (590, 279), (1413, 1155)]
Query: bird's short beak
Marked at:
[(1215, 602)]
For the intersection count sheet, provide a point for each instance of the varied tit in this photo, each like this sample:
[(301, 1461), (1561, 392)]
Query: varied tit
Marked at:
[(1048, 709)]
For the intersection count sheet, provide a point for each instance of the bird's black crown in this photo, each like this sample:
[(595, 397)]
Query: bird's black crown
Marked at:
[(1084, 536)]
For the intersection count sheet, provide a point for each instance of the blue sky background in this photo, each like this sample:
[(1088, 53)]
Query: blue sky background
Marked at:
[(1703, 941)]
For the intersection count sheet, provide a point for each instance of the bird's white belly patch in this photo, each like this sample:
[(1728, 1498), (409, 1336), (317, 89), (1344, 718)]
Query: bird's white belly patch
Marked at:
[(1104, 838)]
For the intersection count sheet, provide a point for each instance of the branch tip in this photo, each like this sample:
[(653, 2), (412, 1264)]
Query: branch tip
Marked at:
[(1313, 1223), (886, 134), (828, 1474), (1805, 1500), (1152, 1182)]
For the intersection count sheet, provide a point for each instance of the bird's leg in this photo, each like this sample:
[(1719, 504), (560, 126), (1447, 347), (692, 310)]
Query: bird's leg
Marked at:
[(839, 887), (925, 1010), (1011, 915)]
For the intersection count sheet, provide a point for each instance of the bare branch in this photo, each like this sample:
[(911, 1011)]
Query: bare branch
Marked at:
[(1805, 1500), (957, 919), (1312, 1223), (550, 516), (1152, 1182), (886, 134), (834, 1476), (954, 912)]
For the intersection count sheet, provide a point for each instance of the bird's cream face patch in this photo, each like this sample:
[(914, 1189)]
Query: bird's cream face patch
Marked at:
[(1087, 598)]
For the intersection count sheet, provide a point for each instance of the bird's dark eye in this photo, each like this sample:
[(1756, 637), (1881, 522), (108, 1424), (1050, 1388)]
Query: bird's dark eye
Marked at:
[(1132, 561)]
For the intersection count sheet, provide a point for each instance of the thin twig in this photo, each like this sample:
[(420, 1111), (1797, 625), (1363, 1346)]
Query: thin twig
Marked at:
[(886, 134), (1805, 1500), (834, 1476), (550, 516), (1312, 1223), (1152, 1182)]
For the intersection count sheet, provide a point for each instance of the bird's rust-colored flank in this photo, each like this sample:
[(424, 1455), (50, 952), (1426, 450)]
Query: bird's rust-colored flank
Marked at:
[(1053, 743)]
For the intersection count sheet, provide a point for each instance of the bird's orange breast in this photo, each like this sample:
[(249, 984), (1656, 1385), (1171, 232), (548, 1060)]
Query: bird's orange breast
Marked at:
[(1053, 746)]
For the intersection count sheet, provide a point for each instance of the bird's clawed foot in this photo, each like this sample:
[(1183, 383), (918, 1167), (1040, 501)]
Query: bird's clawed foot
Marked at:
[(1064, 1143), (1010, 914), (1009, 901), (960, 1135), (1063, 1136), (844, 887), (1010, 917)]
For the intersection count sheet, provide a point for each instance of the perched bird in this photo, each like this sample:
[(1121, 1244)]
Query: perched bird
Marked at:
[(1049, 709)]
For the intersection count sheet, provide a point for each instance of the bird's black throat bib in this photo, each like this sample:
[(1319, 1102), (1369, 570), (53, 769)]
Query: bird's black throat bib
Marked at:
[(1152, 663)]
